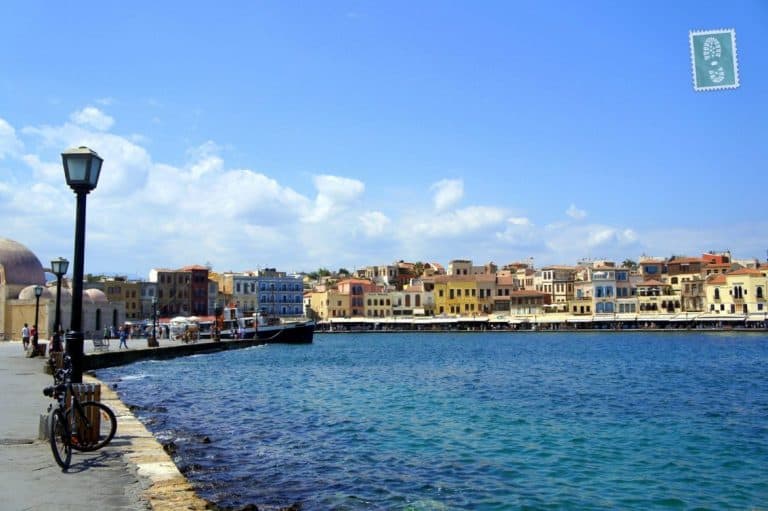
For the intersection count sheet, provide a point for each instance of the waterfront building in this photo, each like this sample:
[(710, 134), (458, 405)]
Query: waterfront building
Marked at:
[(528, 303), (265, 290), (356, 289), (652, 268), (686, 276), (739, 292), (279, 294), (486, 291), (326, 305), (717, 263), (378, 304), (121, 290), (504, 287), (182, 292), (654, 296), (455, 295), (559, 282)]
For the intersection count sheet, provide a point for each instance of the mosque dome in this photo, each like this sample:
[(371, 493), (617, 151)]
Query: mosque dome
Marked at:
[(19, 265), (28, 293), (96, 295)]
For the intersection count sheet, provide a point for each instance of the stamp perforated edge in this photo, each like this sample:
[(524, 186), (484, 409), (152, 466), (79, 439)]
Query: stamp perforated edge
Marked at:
[(732, 32)]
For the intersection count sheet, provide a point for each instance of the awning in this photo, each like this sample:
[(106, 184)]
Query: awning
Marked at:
[(721, 317), (587, 319)]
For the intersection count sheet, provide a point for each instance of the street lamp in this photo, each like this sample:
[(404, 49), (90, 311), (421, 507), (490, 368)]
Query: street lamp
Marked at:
[(82, 167), (38, 293), (59, 268)]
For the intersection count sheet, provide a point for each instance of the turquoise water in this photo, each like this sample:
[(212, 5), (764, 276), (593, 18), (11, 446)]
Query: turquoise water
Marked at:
[(479, 421)]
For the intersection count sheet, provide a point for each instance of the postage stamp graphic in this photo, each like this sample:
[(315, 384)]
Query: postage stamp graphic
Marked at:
[(713, 58)]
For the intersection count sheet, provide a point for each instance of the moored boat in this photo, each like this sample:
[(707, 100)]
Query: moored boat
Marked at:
[(268, 329)]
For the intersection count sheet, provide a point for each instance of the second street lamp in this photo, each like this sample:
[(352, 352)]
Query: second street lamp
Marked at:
[(59, 268), (38, 294), (82, 168)]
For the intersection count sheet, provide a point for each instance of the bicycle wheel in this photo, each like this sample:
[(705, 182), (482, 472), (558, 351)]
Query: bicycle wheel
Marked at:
[(93, 428), (60, 439)]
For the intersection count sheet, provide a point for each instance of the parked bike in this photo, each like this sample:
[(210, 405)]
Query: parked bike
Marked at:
[(83, 426)]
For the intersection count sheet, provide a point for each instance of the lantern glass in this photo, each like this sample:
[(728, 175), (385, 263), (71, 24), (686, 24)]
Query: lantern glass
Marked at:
[(59, 266), (38, 291), (93, 176), (77, 169)]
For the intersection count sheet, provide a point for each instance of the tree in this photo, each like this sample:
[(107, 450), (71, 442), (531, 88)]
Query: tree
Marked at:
[(324, 272), (343, 271), (629, 263)]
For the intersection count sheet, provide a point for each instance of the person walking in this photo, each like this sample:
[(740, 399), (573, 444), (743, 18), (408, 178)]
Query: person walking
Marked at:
[(123, 338), (25, 336)]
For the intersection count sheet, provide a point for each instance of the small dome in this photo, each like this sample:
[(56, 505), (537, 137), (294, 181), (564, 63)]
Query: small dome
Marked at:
[(20, 266), (28, 293), (95, 295)]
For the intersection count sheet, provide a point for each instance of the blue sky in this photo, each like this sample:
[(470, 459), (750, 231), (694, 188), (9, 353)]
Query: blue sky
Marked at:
[(342, 134)]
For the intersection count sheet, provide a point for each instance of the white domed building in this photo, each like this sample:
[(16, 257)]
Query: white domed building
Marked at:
[(20, 272)]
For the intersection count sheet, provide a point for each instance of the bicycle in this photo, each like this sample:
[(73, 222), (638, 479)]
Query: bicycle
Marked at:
[(84, 426)]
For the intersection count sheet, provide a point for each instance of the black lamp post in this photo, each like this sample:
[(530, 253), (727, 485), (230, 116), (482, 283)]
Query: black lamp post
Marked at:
[(59, 268), (82, 167), (38, 293)]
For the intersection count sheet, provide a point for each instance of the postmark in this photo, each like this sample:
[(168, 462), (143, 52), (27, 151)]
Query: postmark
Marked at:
[(713, 59)]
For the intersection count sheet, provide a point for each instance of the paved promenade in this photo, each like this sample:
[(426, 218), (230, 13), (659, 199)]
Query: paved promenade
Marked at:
[(132, 473)]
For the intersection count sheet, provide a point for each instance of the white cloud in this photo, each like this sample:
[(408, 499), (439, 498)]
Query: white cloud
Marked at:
[(447, 193), (576, 213), (374, 223), (460, 222), (9, 143), (91, 116), (334, 195)]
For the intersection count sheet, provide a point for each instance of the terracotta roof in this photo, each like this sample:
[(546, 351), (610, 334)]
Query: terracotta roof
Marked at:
[(506, 281), (716, 279), (746, 271)]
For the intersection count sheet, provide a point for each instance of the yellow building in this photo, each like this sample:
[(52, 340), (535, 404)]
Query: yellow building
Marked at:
[(119, 290), (325, 305), (739, 292), (456, 295)]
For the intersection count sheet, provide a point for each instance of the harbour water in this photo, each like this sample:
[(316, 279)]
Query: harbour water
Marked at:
[(480, 421)]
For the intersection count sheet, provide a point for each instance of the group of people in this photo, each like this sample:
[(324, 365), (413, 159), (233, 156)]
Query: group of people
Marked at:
[(29, 340)]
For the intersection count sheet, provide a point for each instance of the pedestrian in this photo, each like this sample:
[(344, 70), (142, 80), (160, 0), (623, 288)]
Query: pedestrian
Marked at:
[(25, 336), (123, 338)]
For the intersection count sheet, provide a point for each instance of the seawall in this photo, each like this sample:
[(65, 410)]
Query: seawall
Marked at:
[(112, 358)]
